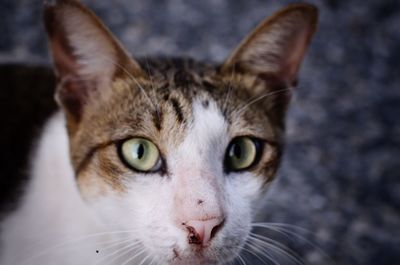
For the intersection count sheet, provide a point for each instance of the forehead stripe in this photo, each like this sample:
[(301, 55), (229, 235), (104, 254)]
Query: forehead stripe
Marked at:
[(158, 118), (178, 109)]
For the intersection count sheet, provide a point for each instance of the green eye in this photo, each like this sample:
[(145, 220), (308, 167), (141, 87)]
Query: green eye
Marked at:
[(241, 154), (141, 154)]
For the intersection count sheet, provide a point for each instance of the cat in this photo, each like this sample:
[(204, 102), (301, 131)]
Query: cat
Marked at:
[(154, 161)]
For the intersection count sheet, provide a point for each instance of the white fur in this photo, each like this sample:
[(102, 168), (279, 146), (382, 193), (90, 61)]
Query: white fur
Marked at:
[(51, 211), (153, 208)]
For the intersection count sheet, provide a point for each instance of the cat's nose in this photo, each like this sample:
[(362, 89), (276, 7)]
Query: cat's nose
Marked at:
[(200, 232)]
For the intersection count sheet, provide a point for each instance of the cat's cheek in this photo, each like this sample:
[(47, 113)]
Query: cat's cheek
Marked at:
[(148, 198), (245, 188), (91, 186), (243, 193)]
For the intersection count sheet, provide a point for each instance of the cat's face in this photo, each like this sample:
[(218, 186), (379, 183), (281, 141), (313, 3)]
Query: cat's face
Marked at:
[(193, 129), (179, 152)]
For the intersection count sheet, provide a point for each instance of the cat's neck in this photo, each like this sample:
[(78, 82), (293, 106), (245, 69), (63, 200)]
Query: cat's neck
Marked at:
[(51, 209)]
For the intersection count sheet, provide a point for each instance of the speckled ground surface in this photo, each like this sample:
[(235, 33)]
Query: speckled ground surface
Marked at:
[(340, 177)]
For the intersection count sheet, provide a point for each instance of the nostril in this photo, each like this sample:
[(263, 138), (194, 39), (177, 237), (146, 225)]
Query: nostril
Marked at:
[(193, 236), (216, 229)]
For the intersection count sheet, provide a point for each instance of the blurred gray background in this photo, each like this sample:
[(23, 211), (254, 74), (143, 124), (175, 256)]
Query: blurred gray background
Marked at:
[(340, 178)]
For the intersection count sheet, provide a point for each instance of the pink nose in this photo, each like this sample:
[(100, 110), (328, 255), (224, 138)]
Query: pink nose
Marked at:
[(202, 231)]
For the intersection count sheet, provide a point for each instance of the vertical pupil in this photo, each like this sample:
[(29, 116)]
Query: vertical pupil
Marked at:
[(140, 151), (237, 151)]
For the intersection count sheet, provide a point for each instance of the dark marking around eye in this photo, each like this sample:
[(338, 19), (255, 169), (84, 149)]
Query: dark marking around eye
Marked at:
[(110, 172), (205, 103), (178, 109)]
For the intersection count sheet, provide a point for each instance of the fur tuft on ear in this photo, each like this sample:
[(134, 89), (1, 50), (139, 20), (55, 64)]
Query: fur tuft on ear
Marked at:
[(277, 46), (86, 55)]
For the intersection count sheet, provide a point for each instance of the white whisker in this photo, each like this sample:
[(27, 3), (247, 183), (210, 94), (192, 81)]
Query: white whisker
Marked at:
[(230, 88), (133, 257), (72, 241), (267, 94), (284, 230), (119, 252), (254, 254), (153, 260), (241, 260), (263, 252), (278, 248), (144, 259), (132, 78), (267, 225)]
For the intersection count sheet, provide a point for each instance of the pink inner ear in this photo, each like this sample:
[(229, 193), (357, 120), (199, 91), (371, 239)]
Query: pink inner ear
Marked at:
[(60, 48), (64, 62), (72, 94), (277, 46)]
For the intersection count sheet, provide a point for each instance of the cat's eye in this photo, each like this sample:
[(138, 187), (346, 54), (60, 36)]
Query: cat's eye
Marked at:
[(242, 153), (140, 154)]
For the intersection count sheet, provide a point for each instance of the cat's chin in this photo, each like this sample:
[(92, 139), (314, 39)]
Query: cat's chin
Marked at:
[(195, 259), (198, 256)]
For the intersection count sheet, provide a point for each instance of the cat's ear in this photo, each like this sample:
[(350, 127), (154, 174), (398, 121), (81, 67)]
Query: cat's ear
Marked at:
[(277, 46), (86, 56)]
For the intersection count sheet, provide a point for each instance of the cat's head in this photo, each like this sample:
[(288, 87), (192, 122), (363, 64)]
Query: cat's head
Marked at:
[(177, 151)]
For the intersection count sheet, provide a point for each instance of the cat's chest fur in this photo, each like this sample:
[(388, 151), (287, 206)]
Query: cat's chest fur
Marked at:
[(51, 211), (154, 161)]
